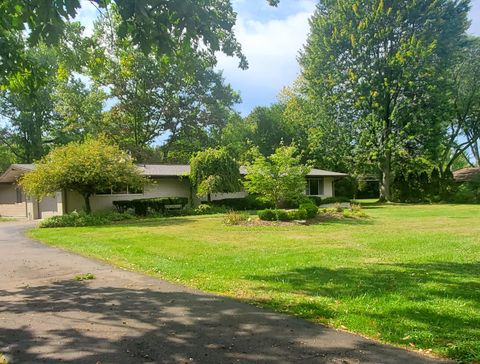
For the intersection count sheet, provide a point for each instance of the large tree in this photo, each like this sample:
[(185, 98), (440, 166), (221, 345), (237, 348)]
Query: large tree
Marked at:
[(378, 61), (214, 171), (87, 168), (169, 96)]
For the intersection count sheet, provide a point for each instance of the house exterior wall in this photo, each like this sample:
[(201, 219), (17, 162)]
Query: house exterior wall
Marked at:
[(161, 187), (328, 189), (8, 201)]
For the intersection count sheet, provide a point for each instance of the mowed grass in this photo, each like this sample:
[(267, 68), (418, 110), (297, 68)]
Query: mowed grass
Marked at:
[(408, 275)]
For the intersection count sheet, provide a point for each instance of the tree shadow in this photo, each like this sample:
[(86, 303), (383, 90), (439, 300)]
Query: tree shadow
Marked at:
[(422, 287), (83, 322)]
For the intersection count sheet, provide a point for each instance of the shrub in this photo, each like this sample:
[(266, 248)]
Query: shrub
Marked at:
[(145, 205), (204, 209), (282, 215), (267, 215), (247, 203), (310, 208), (274, 215), (300, 214), (74, 219), (317, 200), (235, 218)]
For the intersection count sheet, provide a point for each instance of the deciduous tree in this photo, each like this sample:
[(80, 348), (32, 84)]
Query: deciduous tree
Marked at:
[(214, 171), (277, 178), (86, 168)]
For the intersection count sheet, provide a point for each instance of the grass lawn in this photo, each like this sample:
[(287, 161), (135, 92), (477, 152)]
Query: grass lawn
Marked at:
[(409, 275)]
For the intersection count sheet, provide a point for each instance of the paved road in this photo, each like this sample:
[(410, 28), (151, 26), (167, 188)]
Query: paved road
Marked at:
[(122, 317)]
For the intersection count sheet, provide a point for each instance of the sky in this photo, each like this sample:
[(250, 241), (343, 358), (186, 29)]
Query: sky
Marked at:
[(271, 39)]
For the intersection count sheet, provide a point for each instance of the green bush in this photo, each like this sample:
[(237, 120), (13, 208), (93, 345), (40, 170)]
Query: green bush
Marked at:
[(274, 215), (317, 200), (310, 208), (204, 209), (300, 214), (77, 219), (282, 215), (143, 206), (247, 203), (74, 219), (267, 215)]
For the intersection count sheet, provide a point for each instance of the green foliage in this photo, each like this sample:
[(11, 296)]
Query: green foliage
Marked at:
[(466, 192), (267, 215), (379, 64), (247, 203), (77, 219), (235, 218), (214, 171), (87, 168), (281, 215), (310, 208), (144, 206), (204, 209), (277, 178)]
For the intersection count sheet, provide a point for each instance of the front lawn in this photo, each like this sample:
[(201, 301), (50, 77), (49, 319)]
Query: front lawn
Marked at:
[(408, 275)]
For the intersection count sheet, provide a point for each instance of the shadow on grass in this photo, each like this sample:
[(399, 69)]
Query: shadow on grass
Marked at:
[(82, 323), (422, 288)]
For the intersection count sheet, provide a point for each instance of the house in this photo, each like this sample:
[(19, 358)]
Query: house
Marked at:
[(167, 181), (467, 174)]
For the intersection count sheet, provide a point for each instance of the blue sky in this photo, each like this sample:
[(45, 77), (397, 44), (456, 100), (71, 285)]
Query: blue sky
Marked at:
[(271, 39)]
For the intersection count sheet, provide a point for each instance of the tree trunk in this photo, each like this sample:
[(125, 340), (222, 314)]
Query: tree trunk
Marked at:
[(209, 197), (88, 208), (385, 195)]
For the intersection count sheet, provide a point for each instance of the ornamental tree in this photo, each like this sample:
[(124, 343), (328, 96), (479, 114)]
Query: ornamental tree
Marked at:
[(277, 178), (86, 168), (214, 171)]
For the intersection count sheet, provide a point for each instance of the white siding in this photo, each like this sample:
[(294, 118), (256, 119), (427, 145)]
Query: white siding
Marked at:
[(161, 187)]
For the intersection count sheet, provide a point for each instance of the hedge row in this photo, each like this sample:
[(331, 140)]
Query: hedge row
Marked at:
[(305, 211), (144, 205)]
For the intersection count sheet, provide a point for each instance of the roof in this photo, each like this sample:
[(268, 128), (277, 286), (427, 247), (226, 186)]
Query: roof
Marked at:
[(152, 170), (466, 174), (164, 170), (15, 171)]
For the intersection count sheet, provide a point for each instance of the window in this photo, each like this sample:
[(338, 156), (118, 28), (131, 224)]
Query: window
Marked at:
[(19, 193), (314, 186)]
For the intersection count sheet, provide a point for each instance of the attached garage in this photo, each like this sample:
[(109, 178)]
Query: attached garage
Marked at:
[(14, 203)]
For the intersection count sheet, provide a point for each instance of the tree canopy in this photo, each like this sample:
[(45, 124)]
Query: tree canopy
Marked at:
[(379, 61), (214, 171), (87, 168), (278, 178)]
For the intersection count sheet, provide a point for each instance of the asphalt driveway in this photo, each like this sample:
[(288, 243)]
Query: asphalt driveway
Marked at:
[(47, 316)]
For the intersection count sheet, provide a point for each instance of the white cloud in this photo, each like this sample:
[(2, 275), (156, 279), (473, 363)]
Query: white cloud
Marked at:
[(271, 48)]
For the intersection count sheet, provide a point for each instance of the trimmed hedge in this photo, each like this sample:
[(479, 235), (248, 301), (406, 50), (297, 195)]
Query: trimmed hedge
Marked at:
[(283, 215), (144, 205)]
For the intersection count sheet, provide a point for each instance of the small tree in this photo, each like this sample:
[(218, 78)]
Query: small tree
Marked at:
[(278, 178), (214, 171), (87, 168)]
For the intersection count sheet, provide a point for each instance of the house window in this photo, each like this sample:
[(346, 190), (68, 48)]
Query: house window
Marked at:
[(121, 190), (19, 193), (314, 186)]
